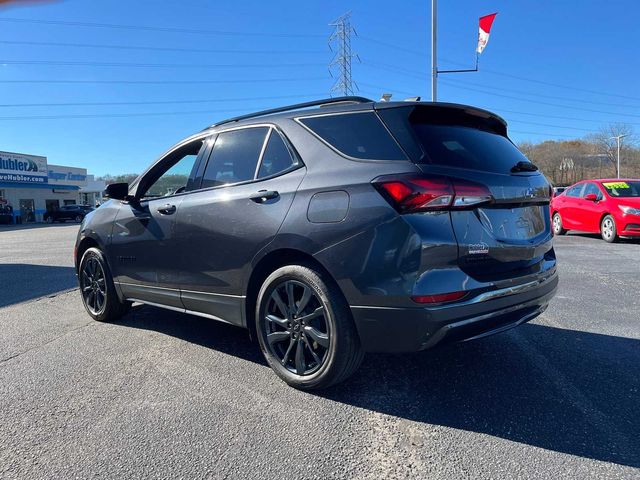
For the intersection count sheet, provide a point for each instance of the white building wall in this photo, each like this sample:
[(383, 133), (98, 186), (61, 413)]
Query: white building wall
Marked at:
[(39, 196)]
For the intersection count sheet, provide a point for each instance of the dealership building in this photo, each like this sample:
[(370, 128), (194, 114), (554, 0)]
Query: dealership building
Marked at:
[(30, 186)]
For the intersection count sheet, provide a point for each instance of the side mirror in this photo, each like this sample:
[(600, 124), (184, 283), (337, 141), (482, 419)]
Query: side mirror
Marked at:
[(592, 197), (117, 191)]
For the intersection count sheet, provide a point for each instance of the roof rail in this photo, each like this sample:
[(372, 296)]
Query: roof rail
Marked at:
[(297, 106)]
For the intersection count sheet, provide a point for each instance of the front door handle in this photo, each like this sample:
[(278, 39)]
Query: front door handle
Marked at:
[(262, 196), (167, 209)]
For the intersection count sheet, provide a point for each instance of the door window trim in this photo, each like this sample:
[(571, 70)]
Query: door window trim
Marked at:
[(272, 127), (133, 188)]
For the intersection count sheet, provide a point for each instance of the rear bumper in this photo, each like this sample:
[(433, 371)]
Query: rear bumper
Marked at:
[(384, 329)]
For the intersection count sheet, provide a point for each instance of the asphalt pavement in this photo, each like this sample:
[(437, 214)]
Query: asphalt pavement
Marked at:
[(166, 395)]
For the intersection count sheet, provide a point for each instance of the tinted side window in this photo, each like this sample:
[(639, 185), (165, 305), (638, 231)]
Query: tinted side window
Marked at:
[(234, 156), (277, 157), (357, 135), (574, 191)]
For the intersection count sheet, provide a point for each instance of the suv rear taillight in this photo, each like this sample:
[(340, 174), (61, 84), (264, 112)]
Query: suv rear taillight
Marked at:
[(409, 194)]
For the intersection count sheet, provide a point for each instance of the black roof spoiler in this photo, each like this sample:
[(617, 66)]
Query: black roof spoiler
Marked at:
[(297, 106)]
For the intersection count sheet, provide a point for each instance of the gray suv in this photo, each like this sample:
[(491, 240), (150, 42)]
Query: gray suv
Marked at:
[(330, 229)]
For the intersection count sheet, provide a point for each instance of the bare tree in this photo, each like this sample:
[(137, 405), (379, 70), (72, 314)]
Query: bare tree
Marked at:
[(605, 141)]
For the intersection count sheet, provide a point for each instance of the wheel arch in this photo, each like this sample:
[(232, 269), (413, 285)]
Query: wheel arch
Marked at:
[(602, 218), (85, 244), (267, 265)]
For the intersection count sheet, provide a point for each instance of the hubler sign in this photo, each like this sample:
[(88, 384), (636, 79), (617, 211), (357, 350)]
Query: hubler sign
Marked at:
[(17, 167)]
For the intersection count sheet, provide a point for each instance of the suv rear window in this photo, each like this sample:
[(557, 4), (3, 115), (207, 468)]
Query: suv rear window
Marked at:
[(467, 147), (358, 135)]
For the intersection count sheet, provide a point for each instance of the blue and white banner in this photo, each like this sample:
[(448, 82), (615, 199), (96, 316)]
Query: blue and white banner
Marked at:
[(21, 168)]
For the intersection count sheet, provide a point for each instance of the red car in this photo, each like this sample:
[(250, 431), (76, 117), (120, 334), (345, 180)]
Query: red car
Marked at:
[(609, 207)]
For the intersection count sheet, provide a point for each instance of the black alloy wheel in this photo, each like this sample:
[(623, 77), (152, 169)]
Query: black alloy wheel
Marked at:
[(296, 329), (93, 286), (305, 328), (98, 291)]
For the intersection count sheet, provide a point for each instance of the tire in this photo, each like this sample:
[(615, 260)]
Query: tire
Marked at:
[(78, 218), (96, 283), (557, 225), (608, 230), (310, 342)]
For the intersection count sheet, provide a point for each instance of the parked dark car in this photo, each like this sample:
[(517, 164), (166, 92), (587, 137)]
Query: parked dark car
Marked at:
[(356, 226), (67, 212)]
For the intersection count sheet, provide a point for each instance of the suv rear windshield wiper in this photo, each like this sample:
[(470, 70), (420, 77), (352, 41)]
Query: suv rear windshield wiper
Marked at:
[(524, 167)]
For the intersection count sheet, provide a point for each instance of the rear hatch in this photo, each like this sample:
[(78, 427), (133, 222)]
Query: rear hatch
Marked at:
[(500, 208)]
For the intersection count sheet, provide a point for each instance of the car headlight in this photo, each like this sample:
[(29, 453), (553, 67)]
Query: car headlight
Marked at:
[(629, 210)]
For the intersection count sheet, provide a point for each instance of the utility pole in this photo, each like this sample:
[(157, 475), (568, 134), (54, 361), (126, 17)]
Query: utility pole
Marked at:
[(434, 63), (618, 138), (341, 38)]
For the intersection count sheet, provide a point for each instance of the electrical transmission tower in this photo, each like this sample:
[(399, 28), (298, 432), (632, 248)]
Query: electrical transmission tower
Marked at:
[(340, 42)]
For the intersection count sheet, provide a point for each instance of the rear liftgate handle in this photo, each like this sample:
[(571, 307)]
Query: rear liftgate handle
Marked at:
[(264, 195)]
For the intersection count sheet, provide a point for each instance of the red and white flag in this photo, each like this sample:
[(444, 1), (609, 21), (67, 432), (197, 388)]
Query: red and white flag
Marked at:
[(483, 33)]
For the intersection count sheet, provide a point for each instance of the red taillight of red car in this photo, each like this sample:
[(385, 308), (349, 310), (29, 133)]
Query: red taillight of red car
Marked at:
[(433, 193)]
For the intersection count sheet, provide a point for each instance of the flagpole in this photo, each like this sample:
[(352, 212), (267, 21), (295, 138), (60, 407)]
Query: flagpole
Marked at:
[(434, 63)]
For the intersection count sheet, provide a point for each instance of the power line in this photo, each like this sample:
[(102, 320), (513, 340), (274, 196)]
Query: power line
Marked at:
[(494, 72), (154, 102), (156, 29), (389, 45), (155, 49), (544, 115), (394, 69), (384, 89), (559, 117), (164, 82), (570, 107), (118, 115), (522, 92), (552, 126), (155, 65), (537, 133), (557, 85)]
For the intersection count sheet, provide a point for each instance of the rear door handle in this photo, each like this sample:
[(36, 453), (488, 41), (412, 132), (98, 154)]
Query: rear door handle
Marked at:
[(262, 196), (167, 209)]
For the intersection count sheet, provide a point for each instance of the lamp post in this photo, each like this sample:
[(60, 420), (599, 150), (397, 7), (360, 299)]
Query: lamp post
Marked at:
[(618, 138)]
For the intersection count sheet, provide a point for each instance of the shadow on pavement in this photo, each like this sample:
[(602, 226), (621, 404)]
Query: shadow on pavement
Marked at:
[(567, 391), (20, 282), (208, 333), (563, 390)]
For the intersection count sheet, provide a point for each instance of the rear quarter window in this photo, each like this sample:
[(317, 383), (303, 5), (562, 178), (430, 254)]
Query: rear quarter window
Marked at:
[(357, 135)]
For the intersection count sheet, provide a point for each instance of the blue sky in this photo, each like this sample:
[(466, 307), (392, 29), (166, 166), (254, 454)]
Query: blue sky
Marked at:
[(552, 69)]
